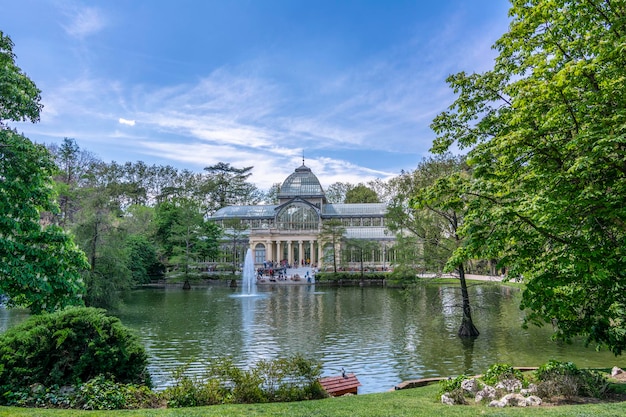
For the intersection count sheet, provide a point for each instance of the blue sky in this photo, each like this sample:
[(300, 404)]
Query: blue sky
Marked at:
[(352, 85)]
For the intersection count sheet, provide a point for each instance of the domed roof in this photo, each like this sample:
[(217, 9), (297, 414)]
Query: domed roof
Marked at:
[(302, 183)]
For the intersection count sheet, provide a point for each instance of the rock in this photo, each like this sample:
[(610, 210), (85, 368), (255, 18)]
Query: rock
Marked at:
[(514, 400), (497, 404), (532, 389), (488, 392), (616, 371), (510, 385), (470, 386), (446, 399), (533, 400)]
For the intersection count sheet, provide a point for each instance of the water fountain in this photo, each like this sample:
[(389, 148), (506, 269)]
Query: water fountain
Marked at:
[(248, 275)]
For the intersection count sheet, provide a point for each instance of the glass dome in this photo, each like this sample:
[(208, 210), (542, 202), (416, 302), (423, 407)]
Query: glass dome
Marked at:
[(297, 216), (302, 183)]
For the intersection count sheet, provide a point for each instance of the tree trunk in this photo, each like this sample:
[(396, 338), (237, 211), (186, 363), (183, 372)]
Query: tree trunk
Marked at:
[(467, 328)]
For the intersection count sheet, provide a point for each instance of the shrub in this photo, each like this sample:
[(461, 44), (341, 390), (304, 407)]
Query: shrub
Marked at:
[(451, 384), (565, 379), (285, 379), (70, 347), (96, 394), (104, 394), (500, 372)]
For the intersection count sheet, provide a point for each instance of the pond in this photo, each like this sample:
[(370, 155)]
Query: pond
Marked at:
[(384, 336)]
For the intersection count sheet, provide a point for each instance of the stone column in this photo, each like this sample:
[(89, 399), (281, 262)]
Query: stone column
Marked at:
[(320, 254), (268, 250), (300, 253), (289, 253), (311, 253)]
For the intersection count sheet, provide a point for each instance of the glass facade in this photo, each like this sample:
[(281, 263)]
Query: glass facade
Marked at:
[(298, 216)]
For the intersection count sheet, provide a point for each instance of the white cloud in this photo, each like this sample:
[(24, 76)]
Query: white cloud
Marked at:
[(83, 21), (126, 122)]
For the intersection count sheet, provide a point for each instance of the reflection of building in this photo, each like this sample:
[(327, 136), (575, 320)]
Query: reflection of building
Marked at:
[(289, 231)]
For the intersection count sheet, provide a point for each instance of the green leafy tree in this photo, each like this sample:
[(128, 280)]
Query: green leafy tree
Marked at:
[(442, 204), (546, 133), (331, 233), (39, 264), (361, 194), (336, 192), (271, 196), (19, 96), (75, 172), (186, 237), (99, 233), (226, 185), (234, 234), (360, 249)]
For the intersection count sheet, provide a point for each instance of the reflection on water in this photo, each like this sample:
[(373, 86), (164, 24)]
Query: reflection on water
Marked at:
[(385, 336)]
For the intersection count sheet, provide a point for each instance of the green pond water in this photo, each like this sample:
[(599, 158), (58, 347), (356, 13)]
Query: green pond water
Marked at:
[(384, 336)]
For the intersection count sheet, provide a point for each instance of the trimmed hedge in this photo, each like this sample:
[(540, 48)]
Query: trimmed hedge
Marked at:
[(70, 347)]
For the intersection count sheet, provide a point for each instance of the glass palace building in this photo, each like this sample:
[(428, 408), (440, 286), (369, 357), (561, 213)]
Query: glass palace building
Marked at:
[(289, 232)]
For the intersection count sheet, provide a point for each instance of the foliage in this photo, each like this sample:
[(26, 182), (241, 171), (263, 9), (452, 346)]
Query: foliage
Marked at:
[(19, 96), (98, 393), (226, 185), (69, 347), (101, 393), (285, 379), (186, 237), (565, 379), (500, 372), (331, 235), (347, 276), (359, 249), (234, 232), (546, 133), (431, 204), (451, 384), (99, 233), (143, 261), (401, 403), (361, 194), (39, 264), (336, 192)]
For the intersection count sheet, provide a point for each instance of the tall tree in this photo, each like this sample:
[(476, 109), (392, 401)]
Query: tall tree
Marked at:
[(233, 231), (336, 192), (76, 170), (19, 96), (39, 264), (187, 238), (99, 233), (361, 194), (331, 233), (546, 133), (226, 185), (360, 249), (428, 212)]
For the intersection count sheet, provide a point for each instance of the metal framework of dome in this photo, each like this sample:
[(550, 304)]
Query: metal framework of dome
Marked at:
[(301, 183)]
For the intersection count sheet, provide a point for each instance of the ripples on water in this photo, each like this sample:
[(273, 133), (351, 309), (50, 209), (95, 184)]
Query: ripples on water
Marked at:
[(384, 336)]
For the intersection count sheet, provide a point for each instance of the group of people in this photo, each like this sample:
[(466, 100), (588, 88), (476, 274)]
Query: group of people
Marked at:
[(280, 273)]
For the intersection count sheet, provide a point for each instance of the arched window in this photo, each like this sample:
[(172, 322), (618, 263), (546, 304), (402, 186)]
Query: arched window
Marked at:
[(297, 216), (259, 253)]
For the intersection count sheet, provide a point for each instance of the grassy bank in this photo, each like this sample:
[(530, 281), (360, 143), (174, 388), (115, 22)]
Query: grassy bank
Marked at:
[(412, 402)]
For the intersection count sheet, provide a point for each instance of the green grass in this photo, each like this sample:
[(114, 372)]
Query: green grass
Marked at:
[(411, 402)]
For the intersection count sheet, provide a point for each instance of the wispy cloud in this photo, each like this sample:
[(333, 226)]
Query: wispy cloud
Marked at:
[(83, 21), (126, 122)]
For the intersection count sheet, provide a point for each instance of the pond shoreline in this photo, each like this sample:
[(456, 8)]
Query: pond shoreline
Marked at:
[(338, 283)]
